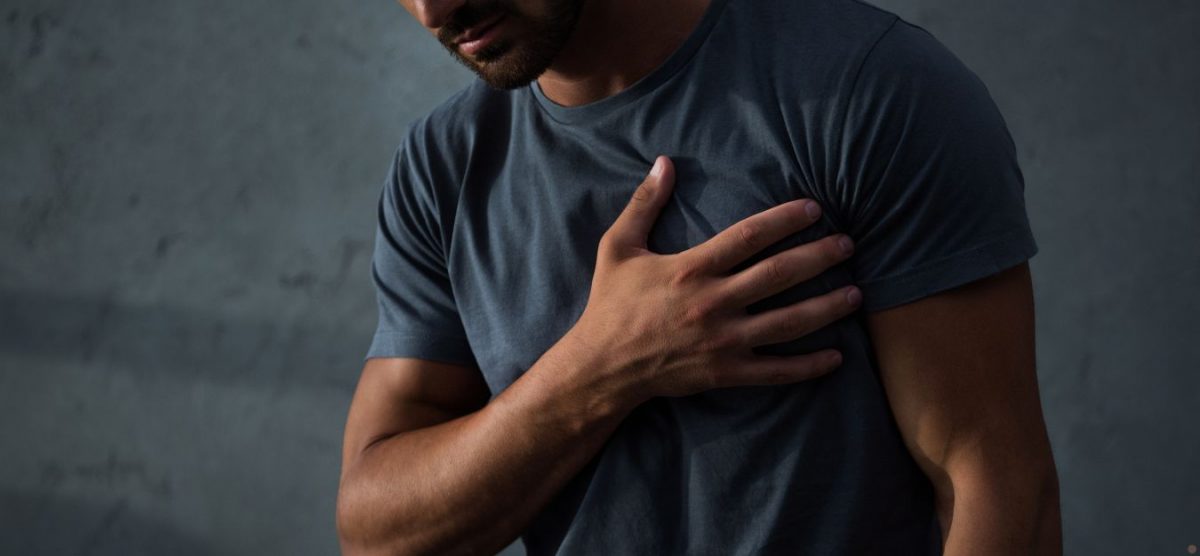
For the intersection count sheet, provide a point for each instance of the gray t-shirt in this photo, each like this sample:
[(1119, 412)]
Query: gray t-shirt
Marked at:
[(496, 200)]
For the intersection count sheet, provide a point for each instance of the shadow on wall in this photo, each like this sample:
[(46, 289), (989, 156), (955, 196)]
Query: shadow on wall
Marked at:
[(113, 529)]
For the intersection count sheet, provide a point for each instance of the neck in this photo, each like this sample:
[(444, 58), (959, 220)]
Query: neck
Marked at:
[(616, 43)]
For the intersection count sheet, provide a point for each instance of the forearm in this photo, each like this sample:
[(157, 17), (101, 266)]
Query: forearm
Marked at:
[(472, 484), (1007, 509)]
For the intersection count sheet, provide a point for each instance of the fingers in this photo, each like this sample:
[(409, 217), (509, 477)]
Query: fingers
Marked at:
[(753, 234), (632, 227), (798, 319), (786, 269), (775, 369)]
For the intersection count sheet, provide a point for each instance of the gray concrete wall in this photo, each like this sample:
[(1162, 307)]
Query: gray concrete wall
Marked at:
[(186, 208)]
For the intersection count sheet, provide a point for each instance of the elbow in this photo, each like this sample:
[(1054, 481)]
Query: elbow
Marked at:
[(357, 535), (1016, 499), (365, 527), (349, 526), (373, 519)]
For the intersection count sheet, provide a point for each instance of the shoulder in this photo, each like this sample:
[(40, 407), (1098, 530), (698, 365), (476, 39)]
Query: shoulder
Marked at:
[(826, 38), (452, 125), (438, 146), (816, 52), (911, 85), (860, 41), (834, 47), (429, 163), (908, 58)]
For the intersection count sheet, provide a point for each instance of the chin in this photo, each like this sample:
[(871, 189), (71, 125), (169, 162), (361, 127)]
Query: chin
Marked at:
[(507, 66)]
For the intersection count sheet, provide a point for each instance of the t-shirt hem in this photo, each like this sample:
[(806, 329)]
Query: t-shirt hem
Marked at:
[(1001, 253), (443, 349)]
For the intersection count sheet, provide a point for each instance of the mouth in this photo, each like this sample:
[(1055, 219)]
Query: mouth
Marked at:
[(474, 33)]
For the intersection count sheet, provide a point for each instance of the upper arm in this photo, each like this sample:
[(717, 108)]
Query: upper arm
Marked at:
[(419, 369), (959, 373), (398, 394), (934, 199), (930, 190)]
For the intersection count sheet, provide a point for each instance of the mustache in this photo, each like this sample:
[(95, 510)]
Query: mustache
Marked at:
[(465, 17)]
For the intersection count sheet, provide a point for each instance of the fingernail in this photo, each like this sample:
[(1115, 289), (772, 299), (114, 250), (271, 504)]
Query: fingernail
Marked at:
[(657, 170), (853, 296), (846, 245), (813, 210)]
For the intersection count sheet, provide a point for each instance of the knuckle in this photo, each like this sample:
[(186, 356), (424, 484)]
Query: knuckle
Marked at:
[(711, 259), (772, 372), (710, 307), (816, 364), (812, 363), (699, 312), (711, 378), (773, 269), (607, 243), (725, 340), (835, 248), (704, 258), (799, 320), (749, 234), (692, 314), (686, 272), (794, 368), (643, 194)]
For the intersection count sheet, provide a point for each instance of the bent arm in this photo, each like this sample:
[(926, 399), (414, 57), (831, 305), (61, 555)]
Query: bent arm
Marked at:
[(433, 478), (959, 371)]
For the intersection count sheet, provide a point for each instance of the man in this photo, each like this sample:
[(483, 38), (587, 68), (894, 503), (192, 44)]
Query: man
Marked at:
[(809, 330)]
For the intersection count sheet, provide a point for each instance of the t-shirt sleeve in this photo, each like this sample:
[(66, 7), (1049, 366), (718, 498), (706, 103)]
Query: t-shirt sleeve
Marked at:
[(928, 180), (418, 316)]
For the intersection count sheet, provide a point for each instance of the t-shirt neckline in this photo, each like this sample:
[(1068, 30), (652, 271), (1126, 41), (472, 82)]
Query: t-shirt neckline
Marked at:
[(649, 82)]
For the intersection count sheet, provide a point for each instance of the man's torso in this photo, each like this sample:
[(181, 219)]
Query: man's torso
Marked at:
[(750, 116)]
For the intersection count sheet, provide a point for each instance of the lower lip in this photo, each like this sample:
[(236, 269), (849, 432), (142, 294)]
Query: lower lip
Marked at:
[(475, 45)]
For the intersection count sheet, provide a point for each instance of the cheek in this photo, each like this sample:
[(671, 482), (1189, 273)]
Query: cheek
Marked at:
[(526, 9)]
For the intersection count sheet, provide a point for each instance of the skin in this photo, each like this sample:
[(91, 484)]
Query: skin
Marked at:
[(959, 372), (430, 466)]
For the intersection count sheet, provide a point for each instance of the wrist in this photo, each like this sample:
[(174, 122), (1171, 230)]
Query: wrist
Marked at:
[(595, 387)]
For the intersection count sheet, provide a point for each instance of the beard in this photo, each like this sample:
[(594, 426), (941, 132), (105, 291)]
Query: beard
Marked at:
[(511, 62)]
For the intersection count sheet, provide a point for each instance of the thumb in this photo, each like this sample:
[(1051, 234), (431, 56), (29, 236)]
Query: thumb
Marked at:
[(632, 227)]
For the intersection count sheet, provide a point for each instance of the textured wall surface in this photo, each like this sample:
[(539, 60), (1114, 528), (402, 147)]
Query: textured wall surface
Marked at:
[(187, 200)]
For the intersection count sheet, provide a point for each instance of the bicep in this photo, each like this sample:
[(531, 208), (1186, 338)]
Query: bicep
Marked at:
[(399, 394), (959, 373)]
